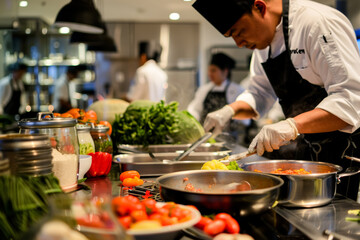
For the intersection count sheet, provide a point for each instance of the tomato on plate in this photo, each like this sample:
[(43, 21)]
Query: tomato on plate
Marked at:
[(215, 227), (150, 205), (125, 221), (231, 225)]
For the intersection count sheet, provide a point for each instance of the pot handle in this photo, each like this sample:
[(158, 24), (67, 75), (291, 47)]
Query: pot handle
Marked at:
[(348, 172)]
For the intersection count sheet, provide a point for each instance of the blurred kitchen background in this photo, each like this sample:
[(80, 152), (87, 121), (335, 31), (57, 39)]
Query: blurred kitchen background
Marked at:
[(27, 33)]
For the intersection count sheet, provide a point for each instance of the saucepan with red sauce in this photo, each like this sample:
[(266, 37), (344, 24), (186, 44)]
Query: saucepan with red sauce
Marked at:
[(235, 192), (306, 183)]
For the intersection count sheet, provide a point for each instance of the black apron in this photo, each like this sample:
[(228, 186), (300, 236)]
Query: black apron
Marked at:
[(13, 106), (297, 95), (213, 101)]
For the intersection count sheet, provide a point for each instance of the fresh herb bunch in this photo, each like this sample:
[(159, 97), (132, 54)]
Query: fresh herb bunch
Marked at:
[(144, 125)]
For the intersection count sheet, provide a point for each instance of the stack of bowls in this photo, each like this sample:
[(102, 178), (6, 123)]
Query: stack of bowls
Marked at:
[(28, 154), (4, 165)]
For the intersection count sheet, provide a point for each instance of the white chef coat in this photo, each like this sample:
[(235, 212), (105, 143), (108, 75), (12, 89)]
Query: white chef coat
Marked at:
[(196, 106), (63, 89), (324, 51), (6, 86), (150, 83)]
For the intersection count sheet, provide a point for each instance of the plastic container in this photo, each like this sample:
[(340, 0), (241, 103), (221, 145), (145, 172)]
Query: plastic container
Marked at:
[(86, 143), (64, 143)]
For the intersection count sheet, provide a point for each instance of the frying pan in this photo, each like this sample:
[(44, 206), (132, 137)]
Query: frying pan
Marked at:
[(264, 191)]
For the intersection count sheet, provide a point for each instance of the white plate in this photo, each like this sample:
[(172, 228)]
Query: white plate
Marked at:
[(163, 233)]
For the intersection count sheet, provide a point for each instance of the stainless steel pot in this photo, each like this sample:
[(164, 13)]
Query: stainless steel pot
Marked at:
[(307, 190), (264, 190)]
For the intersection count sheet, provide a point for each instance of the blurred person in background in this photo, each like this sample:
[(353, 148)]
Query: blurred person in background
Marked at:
[(65, 89), (150, 79), (217, 93), (12, 92)]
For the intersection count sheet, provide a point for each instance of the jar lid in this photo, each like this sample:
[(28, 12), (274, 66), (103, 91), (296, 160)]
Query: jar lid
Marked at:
[(83, 127), (50, 122), (100, 128), (15, 141)]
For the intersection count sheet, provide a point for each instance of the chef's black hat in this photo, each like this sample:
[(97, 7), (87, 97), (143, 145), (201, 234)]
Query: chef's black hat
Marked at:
[(223, 61), (223, 14)]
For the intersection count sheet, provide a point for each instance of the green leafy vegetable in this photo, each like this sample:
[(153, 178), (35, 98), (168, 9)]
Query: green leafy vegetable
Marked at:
[(146, 122), (234, 166)]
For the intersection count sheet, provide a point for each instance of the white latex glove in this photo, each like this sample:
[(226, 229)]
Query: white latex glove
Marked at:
[(272, 136), (218, 120)]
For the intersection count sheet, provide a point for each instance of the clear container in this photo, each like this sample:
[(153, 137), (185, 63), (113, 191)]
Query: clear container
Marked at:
[(86, 143), (64, 143)]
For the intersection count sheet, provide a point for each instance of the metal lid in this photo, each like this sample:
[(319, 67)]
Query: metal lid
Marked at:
[(83, 127), (100, 128), (15, 141), (50, 122)]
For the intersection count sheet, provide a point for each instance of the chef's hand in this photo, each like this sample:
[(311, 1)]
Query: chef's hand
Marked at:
[(272, 136), (217, 120)]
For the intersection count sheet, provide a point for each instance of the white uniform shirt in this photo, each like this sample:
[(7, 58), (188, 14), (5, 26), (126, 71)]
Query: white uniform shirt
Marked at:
[(324, 51), (196, 106), (150, 83), (6, 86)]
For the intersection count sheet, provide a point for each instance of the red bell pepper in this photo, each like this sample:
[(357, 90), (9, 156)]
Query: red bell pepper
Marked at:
[(100, 165)]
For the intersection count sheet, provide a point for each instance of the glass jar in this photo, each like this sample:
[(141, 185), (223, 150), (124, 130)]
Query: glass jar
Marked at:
[(102, 139), (86, 143), (64, 143), (102, 158)]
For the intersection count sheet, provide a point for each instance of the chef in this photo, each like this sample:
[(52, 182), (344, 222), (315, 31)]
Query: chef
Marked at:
[(12, 92), (306, 56), (219, 91)]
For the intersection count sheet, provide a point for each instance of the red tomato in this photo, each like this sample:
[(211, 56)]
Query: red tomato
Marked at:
[(215, 227), (176, 212), (132, 182), (163, 211), (90, 116), (150, 205), (155, 216), (129, 174), (136, 207), (203, 222), (132, 199), (75, 112), (165, 221), (107, 124), (138, 215), (91, 221), (232, 226), (125, 221), (120, 205)]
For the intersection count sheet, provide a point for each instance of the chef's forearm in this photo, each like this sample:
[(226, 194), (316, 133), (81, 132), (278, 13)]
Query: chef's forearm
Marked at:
[(317, 121), (242, 110)]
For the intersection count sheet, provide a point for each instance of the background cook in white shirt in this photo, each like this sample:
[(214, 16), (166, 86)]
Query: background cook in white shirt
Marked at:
[(150, 79)]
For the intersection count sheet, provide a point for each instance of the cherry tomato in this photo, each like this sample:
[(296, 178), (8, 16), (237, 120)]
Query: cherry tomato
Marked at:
[(132, 182), (75, 112), (150, 205), (125, 221), (165, 221), (129, 174), (121, 205), (132, 199), (136, 207), (176, 212), (138, 215), (215, 227), (107, 124), (232, 226), (163, 211), (155, 216), (203, 222)]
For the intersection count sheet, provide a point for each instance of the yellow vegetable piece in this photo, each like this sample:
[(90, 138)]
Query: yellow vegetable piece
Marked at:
[(214, 165), (146, 224)]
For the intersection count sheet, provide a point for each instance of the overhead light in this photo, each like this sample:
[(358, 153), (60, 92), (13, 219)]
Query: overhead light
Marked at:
[(23, 4), (28, 30), (96, 42), (81, 16), (64, 30), (187, 0), (174, 16)]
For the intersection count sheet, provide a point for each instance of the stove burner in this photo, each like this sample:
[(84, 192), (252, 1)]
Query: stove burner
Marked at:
[(151, 186)]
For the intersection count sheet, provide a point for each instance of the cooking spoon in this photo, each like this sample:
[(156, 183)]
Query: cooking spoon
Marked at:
[(193, 146)]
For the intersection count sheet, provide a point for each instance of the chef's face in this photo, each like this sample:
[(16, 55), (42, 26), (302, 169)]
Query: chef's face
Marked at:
[(216, 75), (252, 30)]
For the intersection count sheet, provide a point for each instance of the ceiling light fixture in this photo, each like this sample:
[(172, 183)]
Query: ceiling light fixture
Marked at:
[(23, 3), (64, 30), (174, 16), (81, 16)]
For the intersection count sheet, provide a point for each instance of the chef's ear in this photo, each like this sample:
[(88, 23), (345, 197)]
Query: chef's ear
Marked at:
[(260, 5)]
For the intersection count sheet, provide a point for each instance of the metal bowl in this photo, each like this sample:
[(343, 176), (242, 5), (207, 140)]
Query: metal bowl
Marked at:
[(264, 191), (306, 190)]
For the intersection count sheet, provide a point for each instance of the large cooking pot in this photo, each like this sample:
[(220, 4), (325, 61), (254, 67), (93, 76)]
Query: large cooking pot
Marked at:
[(214, 196), (306, 190)]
